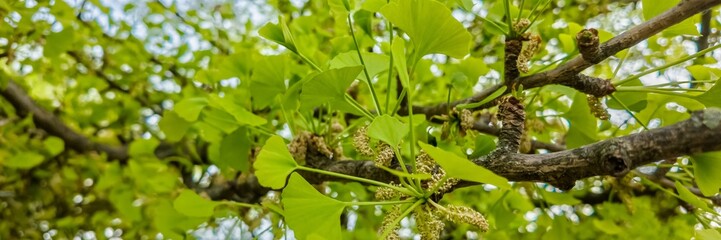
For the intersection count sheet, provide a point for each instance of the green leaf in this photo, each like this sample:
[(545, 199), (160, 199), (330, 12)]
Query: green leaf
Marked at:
[(339, 7), (711, 97), (364, 19), (462, 168), (388, 129), (484, 144), (430, 26), (24, 160), (493, 95), (373, 5), (700, 72), (242, 115), (274, 163), (220, 119), (309, 212), (635, 101), (690, 198), (268, 80), (54, 145), (328, 87), (189, 108), (190, 204), (143, 147), (583, 128), (399, 60), (173, 126), (607, 226), (495, 27), (375, 63), (705, 168), (234, 150), (653, 8), (557, 198), (708, 234), (279, 33)]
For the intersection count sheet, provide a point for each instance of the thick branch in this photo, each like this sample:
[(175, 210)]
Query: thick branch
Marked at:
[(614, 156), (572, 68), (45, 120), (569, 73)]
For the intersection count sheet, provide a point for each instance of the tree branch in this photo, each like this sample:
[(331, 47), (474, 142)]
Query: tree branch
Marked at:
[(569, 73), (45, 120), (615, 156)]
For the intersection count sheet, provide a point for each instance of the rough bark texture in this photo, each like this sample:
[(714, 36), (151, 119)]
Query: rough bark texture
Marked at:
[(614, 156), (587, 41), (513, 117), (565, 74), (45, 120)]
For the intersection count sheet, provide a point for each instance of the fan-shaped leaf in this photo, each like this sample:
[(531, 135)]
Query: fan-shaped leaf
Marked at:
[(274, 163), (328, 87), (388, 129), (190, 204), (431, 27), (309, 212)]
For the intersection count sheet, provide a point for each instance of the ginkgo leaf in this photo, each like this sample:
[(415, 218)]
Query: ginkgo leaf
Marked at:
[(189, 108), (23, 160), (279, 33), (430, 26), (143, 147), (308, 212), (462, 168), (328, 87), (708, 234), (705, 168), (54, 145), (234, 150), (173, 126), (690, 198), (388, 129), (268, 79), (711, 97), (242, 115), (375, 63), (274, 163), (652, 8), (190, 204), (399, 60), (582, 129), (559, 198)]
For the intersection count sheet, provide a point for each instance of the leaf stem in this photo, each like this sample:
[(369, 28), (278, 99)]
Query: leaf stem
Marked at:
[(629, 111), (390, 69), (410, 200), (507, 7), (357, 179), (651, 90), (365, 69), (659, 68), (357, 106), (240, 204)]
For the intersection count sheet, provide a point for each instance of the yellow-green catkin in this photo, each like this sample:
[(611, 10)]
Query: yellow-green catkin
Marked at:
[(428, 222), (361, 142), (385, 155), (468, 215), (388, 222), (597, 108)]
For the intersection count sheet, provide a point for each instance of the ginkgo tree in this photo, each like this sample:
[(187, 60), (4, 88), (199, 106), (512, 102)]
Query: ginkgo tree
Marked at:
[(360, 119)]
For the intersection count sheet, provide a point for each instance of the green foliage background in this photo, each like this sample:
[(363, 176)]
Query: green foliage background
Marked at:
[(213, 81)]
